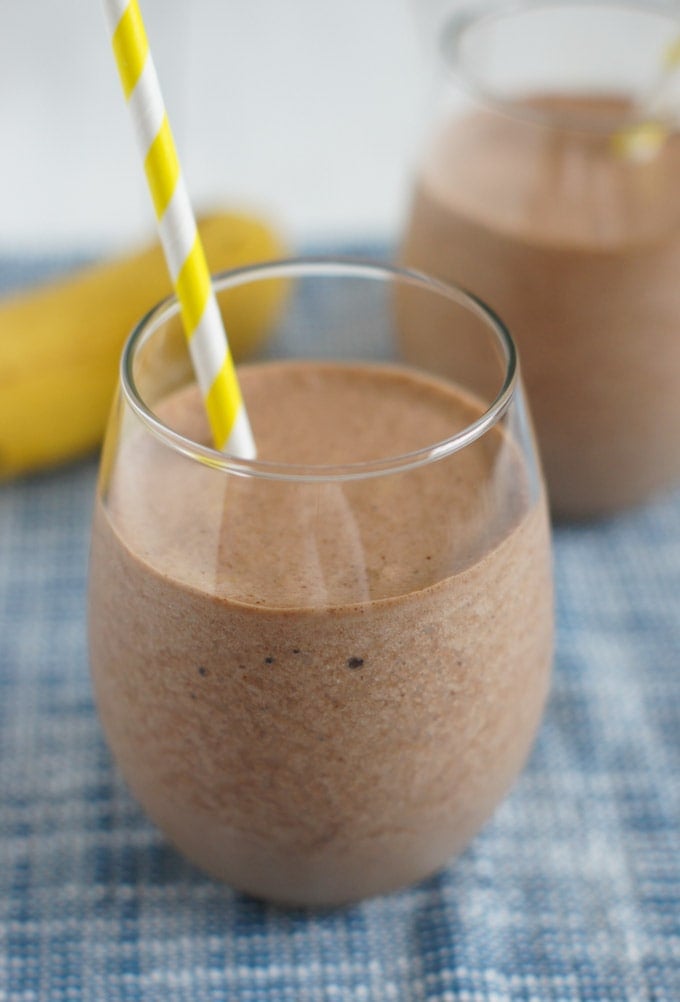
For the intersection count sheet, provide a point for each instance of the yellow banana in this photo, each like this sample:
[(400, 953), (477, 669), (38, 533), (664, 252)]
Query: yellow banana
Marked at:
[(60, 344)]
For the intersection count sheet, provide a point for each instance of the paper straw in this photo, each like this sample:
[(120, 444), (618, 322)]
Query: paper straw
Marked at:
[(206, 337), (645, 139)]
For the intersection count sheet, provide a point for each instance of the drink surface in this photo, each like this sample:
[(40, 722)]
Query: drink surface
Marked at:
[(578, 249), (333, 701)]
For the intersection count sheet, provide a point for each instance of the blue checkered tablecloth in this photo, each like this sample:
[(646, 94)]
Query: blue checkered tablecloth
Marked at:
[(572, 892)]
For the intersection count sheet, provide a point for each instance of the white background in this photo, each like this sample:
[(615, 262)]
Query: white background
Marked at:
[(307, 110)]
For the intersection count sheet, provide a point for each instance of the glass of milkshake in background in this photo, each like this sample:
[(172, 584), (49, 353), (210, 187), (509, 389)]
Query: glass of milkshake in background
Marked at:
[(321, 670), (550, 187)]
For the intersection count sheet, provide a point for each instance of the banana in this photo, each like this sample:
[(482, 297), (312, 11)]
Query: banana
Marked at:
[(60, 344)]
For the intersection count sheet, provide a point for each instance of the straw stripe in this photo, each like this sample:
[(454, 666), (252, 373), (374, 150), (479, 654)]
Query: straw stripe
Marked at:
[(130, 47), (193, 287), (223, 388), (240, 432), (209, 353), (146, 107), (672, 55), (177, 230), (183, 250), (162, 168)]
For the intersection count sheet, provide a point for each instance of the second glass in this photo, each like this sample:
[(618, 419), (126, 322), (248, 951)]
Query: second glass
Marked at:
[(549, 187)]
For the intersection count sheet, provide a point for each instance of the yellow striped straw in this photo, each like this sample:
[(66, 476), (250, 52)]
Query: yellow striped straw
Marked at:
[(642, 141), (206, 337)]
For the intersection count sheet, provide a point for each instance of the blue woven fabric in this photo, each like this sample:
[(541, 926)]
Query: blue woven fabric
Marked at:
[(572, 892)]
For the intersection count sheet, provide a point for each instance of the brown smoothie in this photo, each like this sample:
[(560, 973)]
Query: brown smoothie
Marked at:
[(578, 250), (320, 692)]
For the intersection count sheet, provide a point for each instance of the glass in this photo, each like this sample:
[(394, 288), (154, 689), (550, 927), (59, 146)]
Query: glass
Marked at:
[(548, 185), (321, 670)]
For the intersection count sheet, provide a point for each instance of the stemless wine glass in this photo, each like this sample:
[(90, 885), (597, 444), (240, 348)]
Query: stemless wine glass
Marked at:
[(320, 670), (548, 185)]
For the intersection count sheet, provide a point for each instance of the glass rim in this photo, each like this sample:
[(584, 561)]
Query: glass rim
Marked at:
[(322, 266), (453, 30)]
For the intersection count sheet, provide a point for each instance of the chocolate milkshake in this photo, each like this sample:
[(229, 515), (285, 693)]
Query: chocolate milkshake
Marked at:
[(536, 209), (320, 691)]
